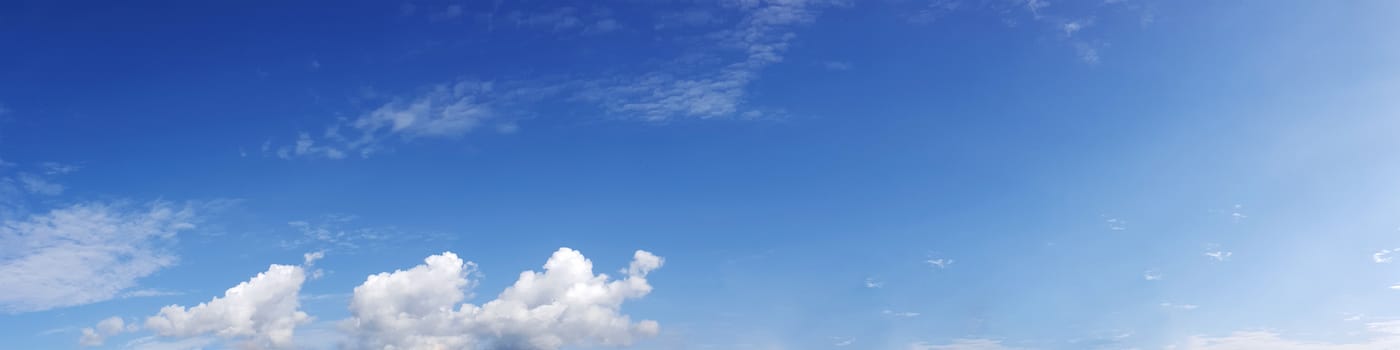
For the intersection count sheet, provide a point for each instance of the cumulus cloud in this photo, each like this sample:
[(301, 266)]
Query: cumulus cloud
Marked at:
[(105, 328), (84, 253), (566, 305), (262, 312), (1384, 335)]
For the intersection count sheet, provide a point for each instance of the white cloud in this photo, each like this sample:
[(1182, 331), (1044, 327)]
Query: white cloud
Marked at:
[(940, 263), (1116, 224), (310, 258), (1219, 255), (262, 311), (566, 305), (962, 344), (38, 185), (839, 341), (1384, 256), (1151, 275), (443, 111), (1384, 335), (105, 328), (872, 283), (1176, 306), (84, 253), (904, 314), (762, 36), (331, 230)]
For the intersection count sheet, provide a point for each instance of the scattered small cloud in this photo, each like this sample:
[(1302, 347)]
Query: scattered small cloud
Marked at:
[(1384, 255), (1071, 27), (1115, 224), (837, 65), (1218, 255), (939, 263), (901, 314), (339, 231), (873, 283), (962, 344), (1151, 275), (842, 341), (1236, 214), (1175, 306)]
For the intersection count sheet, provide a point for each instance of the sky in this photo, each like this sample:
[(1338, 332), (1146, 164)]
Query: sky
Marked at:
[(692, 174)]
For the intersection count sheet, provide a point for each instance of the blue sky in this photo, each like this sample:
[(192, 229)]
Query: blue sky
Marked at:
[(735, 174)]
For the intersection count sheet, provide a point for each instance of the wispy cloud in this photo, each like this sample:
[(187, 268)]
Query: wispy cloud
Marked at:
[(1382, 335), (1219, 255), (85, 253), (1176, 306), (842, 341), (940, 263), (1384, 256), (962, 344), (1151, 275), (1115, 224), (873, 283), (901, 314)]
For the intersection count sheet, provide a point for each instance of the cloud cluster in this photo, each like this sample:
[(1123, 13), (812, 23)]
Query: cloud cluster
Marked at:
[(264, 311), (567, 304), (422, 307), (84, 253)]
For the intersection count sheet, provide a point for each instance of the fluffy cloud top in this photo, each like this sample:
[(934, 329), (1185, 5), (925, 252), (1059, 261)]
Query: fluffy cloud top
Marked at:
[(84, 253), (565, 305), (262, 311)]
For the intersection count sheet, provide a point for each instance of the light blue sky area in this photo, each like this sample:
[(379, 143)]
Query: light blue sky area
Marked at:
[(739, 174)]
